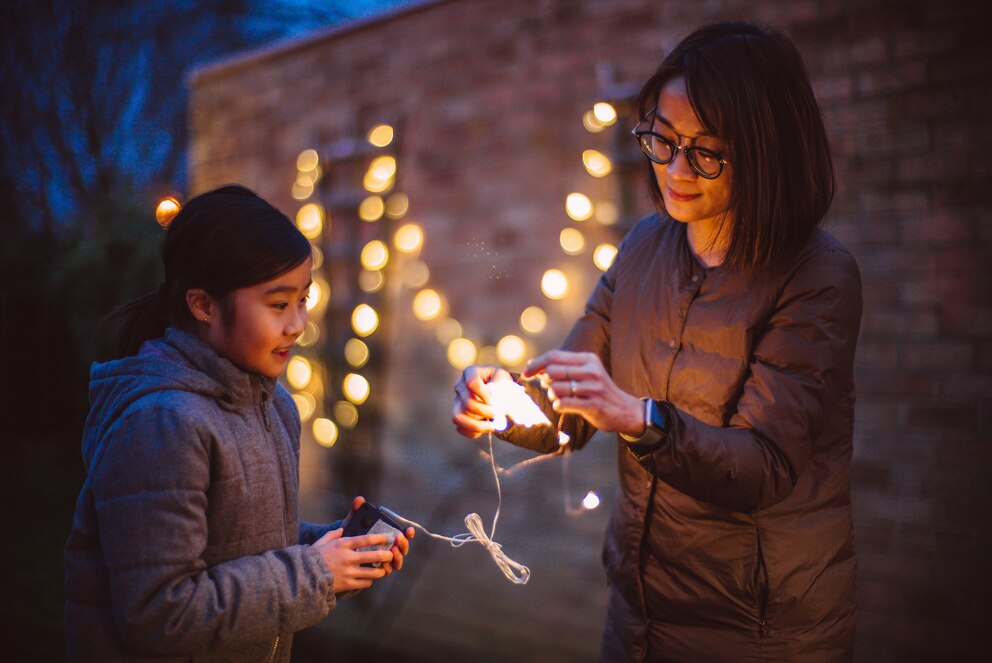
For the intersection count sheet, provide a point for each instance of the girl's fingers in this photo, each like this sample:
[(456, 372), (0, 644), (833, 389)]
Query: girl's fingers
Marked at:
[(355, 542)]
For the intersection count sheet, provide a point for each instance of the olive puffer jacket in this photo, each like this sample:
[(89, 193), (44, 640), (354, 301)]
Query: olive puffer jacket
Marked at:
[(185, 544), (733, 541)]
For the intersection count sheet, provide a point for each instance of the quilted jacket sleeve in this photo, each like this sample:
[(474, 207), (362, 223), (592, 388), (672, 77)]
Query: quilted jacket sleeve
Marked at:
[(150, 494)]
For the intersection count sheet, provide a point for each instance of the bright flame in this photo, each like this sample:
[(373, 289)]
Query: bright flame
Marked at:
[(364, 320), (346, 413), (605, 113), (166, 211), (356, 353), (427, 304), (310, 220), (371, 209), (397, 205), (603, 256), (578, 206), (325, 432), (408, 238), (375, 255), (307, 160), (572, 241), (461, 352), (356, 388), (511, 350), (306, 404), (298, 372), (597, 164), (554, 284), (381, 135), (533, 320), (590, 501)]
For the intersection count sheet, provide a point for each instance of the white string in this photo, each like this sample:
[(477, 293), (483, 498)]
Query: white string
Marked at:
[(514, 571)]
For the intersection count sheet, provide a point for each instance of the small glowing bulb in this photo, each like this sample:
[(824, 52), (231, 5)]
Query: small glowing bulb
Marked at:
[(371, 209), (604, 255), (427, 304), (356, 353), (578, 206), (306, 404), (299, 372), (310, 220), (325, 432), (375, 255), (461, 352), (408, 238), (590, 501), (511, 350), (500, 422), (364, 320), (166, 211), (605, 113), (381, 135), (307, 160), (554, 284), (597, 164), (533, 320), (356, 388), (572, 241)]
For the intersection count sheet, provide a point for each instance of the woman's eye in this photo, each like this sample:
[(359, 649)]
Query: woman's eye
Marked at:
[(281, 306)]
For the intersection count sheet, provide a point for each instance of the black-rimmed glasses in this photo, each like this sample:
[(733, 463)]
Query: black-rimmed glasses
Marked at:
[(705, 163)]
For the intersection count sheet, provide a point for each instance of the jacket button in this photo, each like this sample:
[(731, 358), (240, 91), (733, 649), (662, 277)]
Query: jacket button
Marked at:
[(671, 342), (695, 278)]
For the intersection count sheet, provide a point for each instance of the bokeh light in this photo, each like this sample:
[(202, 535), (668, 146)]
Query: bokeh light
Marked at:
[(371, 209), (325, 432), (408, 238), (356, 353), (533, 320), (307, 160), (511, 350), (605, 113), (166, 211), (306, 404), (346, 414), (597, 164), (375, 255), (310, 220), (356, 388), (298, 372), (364, 320), (578, 206), (381, 135), (590, 501), (572, 242), (461, 352), (554, 284), (427, 304), (603, 256)]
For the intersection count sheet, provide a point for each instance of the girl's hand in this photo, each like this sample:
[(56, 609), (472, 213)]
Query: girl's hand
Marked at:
[(345, 562), (399, 550), (471, 411), (580, 385)]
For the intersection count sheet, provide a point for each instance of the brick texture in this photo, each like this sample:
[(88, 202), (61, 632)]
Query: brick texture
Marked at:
[(487, 97)]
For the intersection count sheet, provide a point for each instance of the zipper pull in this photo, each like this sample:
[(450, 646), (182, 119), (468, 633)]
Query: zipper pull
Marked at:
[(264, 409)]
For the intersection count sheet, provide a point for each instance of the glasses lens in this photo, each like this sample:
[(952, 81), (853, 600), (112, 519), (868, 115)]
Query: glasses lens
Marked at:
[(657, 148), (706, 163)]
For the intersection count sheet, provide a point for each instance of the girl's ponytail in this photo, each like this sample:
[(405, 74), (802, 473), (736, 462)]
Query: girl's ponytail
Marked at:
[(139, 320)]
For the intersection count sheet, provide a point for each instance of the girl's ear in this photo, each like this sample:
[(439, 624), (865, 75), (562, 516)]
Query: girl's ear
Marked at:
[(201, 305)]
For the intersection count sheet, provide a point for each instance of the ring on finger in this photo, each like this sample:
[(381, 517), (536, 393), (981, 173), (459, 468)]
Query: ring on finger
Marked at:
[(574, 388)]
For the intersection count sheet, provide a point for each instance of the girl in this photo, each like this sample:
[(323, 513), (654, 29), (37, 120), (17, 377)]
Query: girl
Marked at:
[(186, 542), (720, 347)]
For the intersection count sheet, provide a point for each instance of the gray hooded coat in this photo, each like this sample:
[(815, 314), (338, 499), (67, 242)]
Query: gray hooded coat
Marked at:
[(185, 543)]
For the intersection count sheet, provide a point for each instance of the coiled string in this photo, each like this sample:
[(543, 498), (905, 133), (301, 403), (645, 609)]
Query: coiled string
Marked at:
[(514, 571)]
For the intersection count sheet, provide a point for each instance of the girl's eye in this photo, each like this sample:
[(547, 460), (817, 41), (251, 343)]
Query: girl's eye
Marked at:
[(281, 306)]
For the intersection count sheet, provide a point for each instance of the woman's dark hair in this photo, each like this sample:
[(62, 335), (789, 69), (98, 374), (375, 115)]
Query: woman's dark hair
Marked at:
[(748, 86), (220, 241)]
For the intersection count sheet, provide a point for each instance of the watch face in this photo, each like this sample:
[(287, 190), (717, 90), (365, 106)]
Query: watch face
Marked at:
[(656, 418)]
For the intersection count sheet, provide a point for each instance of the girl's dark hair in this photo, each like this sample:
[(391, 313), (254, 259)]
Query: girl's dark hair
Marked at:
[(220, 241), (748, 85)]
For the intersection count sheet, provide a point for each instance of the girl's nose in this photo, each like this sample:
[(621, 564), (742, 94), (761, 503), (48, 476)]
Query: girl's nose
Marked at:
[(679, 167)]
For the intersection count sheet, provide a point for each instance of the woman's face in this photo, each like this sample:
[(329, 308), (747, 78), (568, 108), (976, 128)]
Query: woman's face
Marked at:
[(688, 197), (267, 320)]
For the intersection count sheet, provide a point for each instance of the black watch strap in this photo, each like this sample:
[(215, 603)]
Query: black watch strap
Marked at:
[(655, 427)]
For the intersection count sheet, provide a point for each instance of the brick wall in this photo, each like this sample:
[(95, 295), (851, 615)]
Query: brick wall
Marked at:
[(488, 99)]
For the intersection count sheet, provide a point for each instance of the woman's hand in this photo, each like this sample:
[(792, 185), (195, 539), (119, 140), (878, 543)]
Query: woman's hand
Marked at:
[(471, 411), (580, 385)]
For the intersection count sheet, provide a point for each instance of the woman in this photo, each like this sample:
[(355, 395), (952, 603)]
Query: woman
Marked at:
[(720, 347), (185, 543)]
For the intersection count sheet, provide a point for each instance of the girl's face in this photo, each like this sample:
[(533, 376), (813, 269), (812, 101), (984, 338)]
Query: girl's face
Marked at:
[(688, 197), (267, 320)]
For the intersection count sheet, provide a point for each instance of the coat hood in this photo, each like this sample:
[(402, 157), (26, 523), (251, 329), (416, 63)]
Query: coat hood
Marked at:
[(178, 361)]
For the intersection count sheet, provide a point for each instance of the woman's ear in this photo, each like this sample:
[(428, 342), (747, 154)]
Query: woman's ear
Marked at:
[(201, 305)]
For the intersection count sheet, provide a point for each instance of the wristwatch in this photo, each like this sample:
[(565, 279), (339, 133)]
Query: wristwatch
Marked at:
[(655, 428)]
